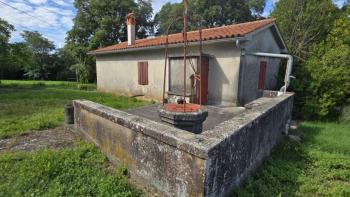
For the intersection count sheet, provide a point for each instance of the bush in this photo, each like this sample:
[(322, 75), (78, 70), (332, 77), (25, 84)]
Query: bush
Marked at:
[(323, 80)]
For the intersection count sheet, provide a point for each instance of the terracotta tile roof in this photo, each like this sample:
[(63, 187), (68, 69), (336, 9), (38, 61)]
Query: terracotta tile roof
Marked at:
[(229, 31)]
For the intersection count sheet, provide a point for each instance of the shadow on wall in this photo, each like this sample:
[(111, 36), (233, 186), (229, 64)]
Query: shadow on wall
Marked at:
[(217, 80)]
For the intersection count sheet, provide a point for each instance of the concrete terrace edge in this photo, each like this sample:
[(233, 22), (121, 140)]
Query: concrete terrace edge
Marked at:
[(180, 139), (201, 145)]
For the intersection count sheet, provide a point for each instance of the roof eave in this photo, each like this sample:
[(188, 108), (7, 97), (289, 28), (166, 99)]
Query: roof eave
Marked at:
[(162, 46)]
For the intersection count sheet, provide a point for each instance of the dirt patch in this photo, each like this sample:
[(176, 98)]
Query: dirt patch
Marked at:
[(51, 138)]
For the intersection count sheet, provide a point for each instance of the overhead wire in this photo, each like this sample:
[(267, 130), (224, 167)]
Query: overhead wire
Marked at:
[(28, 14), (52, 11), (25, 12)]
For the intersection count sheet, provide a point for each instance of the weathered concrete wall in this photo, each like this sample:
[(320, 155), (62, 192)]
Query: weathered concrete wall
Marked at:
[(117, 73), (180, 163), (248, 139), (151, 157), (262, 41)]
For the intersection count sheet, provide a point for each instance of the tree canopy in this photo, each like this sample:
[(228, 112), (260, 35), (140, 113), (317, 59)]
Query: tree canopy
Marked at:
[(304, 22), (209, 13), (99, 23), (317, 35)]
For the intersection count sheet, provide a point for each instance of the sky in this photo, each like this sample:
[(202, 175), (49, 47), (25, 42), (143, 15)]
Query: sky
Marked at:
[(53, 18)]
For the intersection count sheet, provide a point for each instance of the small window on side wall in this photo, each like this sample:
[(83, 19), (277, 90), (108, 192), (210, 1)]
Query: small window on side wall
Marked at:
[(262, 75), (142, 73)]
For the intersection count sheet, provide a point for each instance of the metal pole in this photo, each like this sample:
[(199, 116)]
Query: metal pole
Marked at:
[(200, 65), (165, 65), (166, 55), (185, 49)]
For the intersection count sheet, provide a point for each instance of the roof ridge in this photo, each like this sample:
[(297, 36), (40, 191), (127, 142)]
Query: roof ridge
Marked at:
[(226, 31), (207, 29)]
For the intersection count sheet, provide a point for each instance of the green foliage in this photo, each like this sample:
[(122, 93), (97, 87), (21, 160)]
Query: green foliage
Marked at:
[(329, 68), (304, 23), (99, 23), (319, 166), (317, 34), (42, 61), (209, 13), (28, 105), (78, 171), (5, 34)]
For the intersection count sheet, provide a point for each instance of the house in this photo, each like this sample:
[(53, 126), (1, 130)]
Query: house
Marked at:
[(239, 61)]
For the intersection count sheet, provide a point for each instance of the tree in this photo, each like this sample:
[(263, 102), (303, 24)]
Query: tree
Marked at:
[(41, 49), (99, 23), (329, 68), (308, 27), (5, 34), (303, 23), (209, 13), (19, 57)]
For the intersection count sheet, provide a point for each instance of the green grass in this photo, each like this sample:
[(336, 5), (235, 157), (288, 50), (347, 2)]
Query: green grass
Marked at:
[(318, 166), (78, 171), (35, 105)]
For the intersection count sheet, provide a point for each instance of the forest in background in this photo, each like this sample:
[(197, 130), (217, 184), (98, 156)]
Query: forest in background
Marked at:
[(317, 33)]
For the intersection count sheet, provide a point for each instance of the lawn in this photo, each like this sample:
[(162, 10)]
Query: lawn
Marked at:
[(34, 105), (318, 165), (81, 170), (78, 171)]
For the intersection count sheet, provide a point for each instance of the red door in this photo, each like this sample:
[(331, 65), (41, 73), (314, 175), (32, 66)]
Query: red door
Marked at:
[(202, 90), (262, 75)]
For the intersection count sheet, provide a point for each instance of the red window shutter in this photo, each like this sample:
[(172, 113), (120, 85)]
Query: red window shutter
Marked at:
[(262, 75), (143, 73), (145, 67), (139, 71)]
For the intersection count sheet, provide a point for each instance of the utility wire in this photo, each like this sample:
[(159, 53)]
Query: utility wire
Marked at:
[(24, 12), (52, 11)]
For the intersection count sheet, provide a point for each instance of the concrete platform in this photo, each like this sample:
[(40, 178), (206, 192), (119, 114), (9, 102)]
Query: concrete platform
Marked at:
[(178, 163), (216, 114)]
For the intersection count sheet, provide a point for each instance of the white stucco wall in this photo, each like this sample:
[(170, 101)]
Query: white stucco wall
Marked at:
[(117, 73)]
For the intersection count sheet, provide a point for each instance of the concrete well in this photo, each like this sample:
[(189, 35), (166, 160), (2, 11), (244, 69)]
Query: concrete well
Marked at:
[(178, 163)]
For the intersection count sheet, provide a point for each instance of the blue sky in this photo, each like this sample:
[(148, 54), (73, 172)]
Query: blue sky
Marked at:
[(53, 18)]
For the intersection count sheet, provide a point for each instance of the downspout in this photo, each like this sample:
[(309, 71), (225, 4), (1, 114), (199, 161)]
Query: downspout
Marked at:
[(288, 75)]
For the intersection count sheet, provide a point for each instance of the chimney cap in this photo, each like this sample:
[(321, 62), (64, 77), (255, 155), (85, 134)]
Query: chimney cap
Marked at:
[(130, 15), (131, 19)]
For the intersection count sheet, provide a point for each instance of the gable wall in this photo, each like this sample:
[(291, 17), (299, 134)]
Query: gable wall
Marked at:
[(117, 73), (262, 41)]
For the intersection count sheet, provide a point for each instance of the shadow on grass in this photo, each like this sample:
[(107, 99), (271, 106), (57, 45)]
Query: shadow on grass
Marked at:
[(280, 173)]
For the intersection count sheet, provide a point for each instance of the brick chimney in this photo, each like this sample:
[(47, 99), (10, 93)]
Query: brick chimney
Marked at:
[(131, 22)]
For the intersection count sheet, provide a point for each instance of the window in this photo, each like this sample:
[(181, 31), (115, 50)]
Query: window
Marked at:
[(143, 73), (262, 75)]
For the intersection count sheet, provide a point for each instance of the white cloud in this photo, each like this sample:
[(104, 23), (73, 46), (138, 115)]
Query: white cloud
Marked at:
[(67, 21), (63, 3), (39, 15), (38, 2)]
